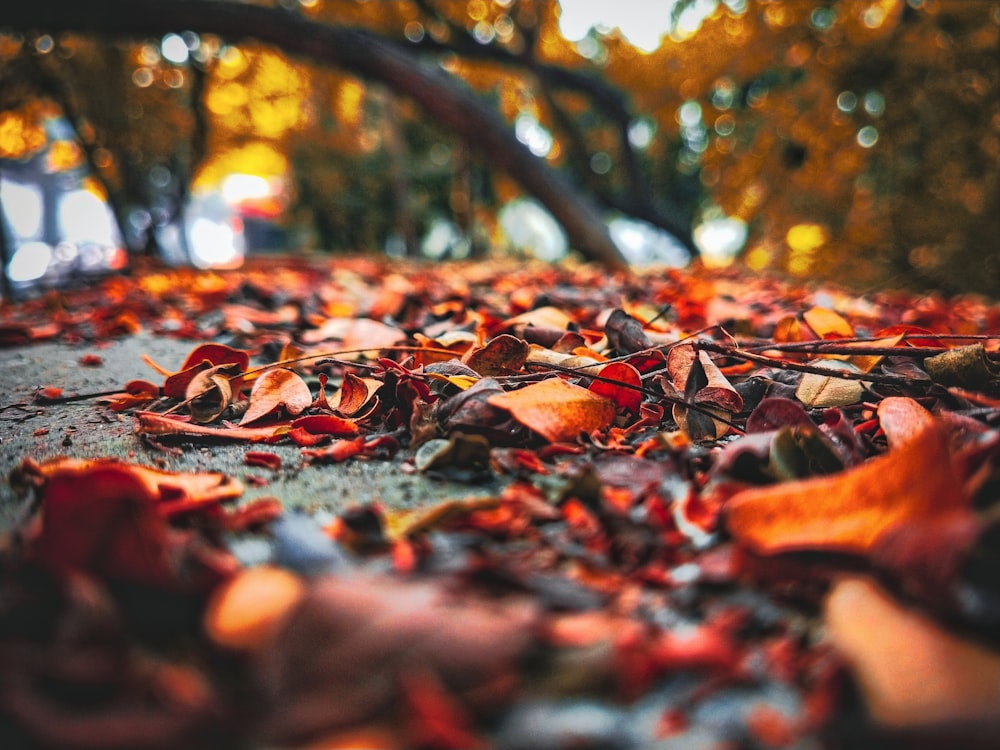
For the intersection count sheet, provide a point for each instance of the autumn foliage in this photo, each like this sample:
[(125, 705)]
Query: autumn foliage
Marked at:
[(682, 466)]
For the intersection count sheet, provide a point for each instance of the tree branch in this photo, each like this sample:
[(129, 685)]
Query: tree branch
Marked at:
[(440, 95)]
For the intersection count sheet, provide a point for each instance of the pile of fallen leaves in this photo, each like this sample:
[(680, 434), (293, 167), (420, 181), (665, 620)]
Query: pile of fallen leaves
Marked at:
[(693, 462)]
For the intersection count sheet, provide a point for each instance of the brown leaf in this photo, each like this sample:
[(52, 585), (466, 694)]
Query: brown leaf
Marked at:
[(557, 410), (209, 393), (502, 355), (277, 390)]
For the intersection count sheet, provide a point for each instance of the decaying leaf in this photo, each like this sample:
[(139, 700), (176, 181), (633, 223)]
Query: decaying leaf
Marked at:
[(556, 410)]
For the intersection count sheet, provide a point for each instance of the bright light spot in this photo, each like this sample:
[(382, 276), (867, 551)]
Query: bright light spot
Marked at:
[(484, 32), (174, 49), (44, 44), (847, 101), (719, 240), (643, 244), (530, 228), (725, 125), (805, 238), (758, 258), (22, 207), (30, 262), (531, 133), (724, 93), (873, 17), (83, 217), (641, 22), (822, 18), (213, 244), (868, 136), (691, 18), (689, 114), (444, 238), (874, 103), (640, 133), (237, 188)]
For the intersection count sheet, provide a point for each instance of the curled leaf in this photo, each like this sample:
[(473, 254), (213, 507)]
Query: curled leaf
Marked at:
[(209, 393), (275, 390)]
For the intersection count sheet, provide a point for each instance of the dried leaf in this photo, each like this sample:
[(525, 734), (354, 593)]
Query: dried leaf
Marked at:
[(625, 333), (326, 424), (625, 391), (354, 394), (556, 410), (848, 512), (209, 393), (823, 391), (827, 324), (966, 367), (277, 390), (502, 355), (160, 425), (201, 358)]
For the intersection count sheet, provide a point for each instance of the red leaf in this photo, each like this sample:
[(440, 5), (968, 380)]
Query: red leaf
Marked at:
[(263, 459), (625, 392)]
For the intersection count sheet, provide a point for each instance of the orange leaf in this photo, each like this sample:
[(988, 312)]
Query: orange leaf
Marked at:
[(625, 392), (557, 410), (274, 390), (850, 511), (354, 392), (827, 324), (160, 425)]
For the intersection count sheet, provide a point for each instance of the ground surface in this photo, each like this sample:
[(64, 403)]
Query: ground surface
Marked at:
[(86, 429), (544, 508)]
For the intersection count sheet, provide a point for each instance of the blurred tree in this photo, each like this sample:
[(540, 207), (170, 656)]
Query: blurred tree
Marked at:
[(854, 138)]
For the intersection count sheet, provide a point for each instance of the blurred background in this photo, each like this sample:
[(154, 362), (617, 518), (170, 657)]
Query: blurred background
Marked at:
[(855, 140)]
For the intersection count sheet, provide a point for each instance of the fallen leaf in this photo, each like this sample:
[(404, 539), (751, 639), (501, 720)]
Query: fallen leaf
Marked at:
[(275, 391), (557, 410), (827, 324), (210, 392), (502, 355), (161, 425), (911, 671), (817, 391), (248, 611), (848, 512), (625, 386)]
